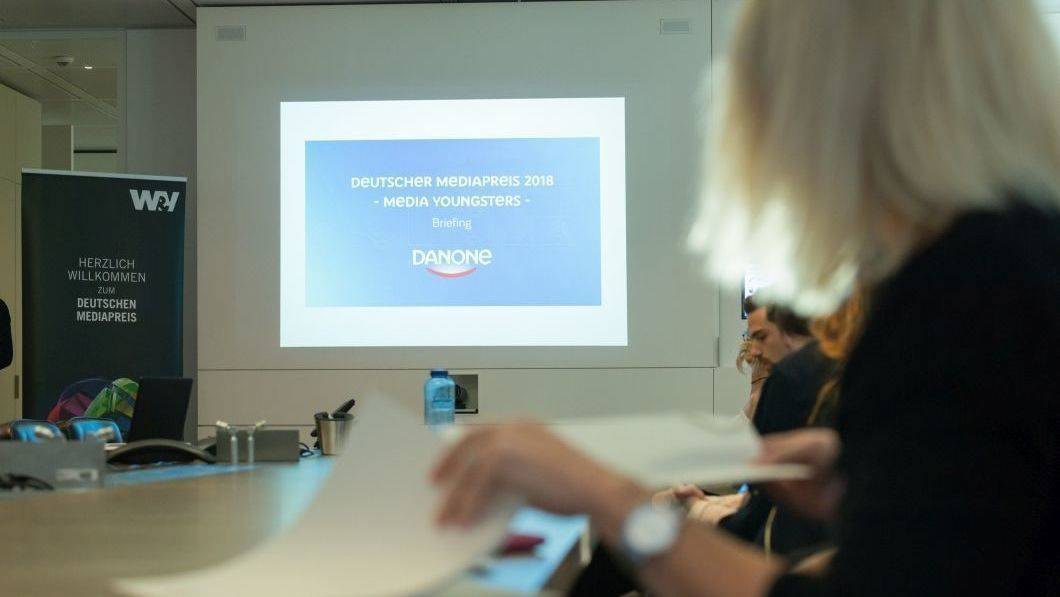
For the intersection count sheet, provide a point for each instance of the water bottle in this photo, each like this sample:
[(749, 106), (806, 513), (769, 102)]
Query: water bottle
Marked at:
[(439, 398)]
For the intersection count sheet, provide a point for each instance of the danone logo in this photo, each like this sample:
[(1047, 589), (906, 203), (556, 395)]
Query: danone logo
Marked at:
[(162, 201), (451, 263)]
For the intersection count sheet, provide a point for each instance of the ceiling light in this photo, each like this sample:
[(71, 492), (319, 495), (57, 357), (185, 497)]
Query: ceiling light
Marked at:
[(88, 67)]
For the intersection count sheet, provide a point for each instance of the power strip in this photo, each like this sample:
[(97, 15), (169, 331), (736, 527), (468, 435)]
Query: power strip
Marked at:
[(63, 465)]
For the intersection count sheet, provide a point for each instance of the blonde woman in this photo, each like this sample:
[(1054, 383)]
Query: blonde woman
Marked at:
[(759, 369), (913, 147), (752, 356)]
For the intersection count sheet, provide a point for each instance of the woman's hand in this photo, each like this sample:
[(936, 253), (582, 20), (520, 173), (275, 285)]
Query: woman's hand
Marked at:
[(525, 458), (817, 497)]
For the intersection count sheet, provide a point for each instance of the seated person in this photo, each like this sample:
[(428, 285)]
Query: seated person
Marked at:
[(788, 399), (776, 335)]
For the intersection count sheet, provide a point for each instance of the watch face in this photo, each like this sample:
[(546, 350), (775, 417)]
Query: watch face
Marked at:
[(650, 530)]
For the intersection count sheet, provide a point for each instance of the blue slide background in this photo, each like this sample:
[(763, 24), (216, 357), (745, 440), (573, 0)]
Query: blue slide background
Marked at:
[(545, 252)]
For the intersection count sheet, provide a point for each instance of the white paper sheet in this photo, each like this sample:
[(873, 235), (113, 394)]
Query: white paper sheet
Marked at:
[(369, 531), (663, 449)]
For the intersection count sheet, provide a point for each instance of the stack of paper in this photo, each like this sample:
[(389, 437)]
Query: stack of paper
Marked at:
[(664, 449)]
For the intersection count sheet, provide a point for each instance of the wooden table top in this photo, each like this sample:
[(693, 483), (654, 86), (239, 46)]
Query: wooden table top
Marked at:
[(74, 543), (152, 521)]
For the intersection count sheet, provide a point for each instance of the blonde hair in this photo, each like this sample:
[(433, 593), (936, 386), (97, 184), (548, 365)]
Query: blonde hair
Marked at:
[(745, 358), (848, 131)]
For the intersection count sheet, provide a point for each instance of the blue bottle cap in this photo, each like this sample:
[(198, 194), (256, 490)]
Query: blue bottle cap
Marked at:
[(439, 373)]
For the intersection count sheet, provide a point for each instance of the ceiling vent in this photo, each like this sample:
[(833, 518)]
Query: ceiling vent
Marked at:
[(675, 26), (232, 33)]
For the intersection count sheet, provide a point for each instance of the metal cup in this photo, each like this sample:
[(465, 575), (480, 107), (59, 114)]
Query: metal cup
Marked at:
[(331, 432)]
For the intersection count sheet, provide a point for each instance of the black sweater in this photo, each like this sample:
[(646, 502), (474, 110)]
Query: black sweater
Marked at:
[(949, 419), (790, 392)]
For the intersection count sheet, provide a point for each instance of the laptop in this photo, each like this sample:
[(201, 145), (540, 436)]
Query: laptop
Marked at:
[(160, 409)]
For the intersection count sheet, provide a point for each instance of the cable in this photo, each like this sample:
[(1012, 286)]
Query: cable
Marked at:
[(15, 482)]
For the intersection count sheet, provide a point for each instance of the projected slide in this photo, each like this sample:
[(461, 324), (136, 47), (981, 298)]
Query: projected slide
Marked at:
[(419, 213), (453, 223)]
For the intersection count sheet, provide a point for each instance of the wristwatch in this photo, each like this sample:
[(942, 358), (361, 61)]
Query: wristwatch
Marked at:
[(651, 530)]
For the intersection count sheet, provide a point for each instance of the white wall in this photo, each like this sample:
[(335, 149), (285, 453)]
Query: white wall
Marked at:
[(729, 388), (57, 147), (160, 139), (575, 49), (96, 162), (1052, 19)]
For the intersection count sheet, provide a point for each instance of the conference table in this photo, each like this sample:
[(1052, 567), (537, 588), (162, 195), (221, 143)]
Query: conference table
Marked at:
[(175, 518)]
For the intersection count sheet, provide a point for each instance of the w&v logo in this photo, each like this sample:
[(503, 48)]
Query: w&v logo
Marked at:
[(162, 201)]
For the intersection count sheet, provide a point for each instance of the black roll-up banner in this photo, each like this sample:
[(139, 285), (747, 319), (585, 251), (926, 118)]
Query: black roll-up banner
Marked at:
[(102, 280)]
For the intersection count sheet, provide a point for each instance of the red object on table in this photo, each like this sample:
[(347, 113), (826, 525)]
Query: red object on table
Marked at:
[(518, 544)]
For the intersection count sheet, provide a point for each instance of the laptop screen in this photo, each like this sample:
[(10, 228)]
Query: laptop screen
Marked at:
[(160, 410)]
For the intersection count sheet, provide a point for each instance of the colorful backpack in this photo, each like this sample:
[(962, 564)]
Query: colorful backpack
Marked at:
[(115, 402), (75, 398)]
